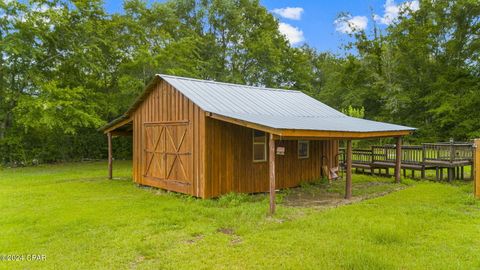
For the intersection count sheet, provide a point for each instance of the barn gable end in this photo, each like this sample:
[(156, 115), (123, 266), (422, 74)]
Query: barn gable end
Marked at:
[(168, 134)]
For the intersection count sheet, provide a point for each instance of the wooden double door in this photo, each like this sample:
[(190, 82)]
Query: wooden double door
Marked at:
[(168, 152)]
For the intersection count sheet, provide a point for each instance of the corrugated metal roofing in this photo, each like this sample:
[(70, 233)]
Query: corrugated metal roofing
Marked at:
[(275, 108)]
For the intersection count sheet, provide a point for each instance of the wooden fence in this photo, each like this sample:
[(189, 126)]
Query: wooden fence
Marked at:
[(452, 157)]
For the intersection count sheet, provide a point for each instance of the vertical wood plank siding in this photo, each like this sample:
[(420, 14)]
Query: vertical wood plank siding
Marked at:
[(230, 167), (165, 105)]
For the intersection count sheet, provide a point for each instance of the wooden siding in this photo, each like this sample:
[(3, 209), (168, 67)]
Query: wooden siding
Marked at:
[(230, 166), (177, 124)]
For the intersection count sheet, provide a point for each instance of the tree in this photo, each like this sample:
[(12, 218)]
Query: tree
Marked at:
[(422, 71), (67, 67)]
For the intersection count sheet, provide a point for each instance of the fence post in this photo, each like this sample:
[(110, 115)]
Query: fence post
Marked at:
[(451, 170), (424, 153), (452, 151), (476, 167)]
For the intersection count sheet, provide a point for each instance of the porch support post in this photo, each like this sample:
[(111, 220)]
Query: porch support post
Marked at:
[(109, 138), (475, 173), (271, 170), (398, 159), (348, 177)]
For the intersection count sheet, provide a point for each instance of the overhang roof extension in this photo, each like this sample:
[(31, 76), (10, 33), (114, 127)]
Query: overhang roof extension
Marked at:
[(121, 125), (312, 134)]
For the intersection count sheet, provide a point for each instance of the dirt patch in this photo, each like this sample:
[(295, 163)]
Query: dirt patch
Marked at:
[(136, 262), (227, 231), (327, 196), (236, 240), (195, 239)]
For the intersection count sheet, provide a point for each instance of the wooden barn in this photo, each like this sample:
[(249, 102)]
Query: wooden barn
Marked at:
[(207, 138)]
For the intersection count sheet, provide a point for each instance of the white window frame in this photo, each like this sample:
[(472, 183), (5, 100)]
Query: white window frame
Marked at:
[(259, 143), (298, 149)]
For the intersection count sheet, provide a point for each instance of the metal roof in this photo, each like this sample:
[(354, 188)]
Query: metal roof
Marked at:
[(275, 108), (113, 122)]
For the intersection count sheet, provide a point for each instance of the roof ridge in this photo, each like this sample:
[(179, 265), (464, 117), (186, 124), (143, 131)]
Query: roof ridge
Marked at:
[(232, 84)]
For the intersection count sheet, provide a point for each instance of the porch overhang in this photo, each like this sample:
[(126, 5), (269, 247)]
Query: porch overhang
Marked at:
[(121, 126), (357, 132), (311, 134)]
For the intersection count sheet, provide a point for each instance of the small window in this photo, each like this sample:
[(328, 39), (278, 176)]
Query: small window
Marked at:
[(303, 149), (259, 146)]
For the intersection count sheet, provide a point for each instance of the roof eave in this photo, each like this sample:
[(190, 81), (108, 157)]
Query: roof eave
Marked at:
[(115, 123), (346, 135), (319, 134)]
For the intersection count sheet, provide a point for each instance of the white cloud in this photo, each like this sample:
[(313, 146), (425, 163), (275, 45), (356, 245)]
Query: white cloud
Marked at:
[(348, 24), (292, 33), (392, 11), (293, 13), (40, 8), (19, 17)]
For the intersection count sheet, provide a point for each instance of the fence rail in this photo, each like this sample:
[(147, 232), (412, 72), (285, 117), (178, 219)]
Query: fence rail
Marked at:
[(452, 156)]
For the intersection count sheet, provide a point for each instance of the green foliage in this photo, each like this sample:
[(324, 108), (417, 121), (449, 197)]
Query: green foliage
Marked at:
[(67, 67), (422, 71), (57, 108), (354, 112)]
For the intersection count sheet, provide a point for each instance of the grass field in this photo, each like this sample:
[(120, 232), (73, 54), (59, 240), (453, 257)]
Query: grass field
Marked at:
[(80, 220)]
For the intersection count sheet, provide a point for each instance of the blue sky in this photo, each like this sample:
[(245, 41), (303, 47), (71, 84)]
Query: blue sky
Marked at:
[(314, 21)]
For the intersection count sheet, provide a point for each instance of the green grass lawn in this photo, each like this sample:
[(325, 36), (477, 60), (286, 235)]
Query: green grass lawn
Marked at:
[(80, 220)]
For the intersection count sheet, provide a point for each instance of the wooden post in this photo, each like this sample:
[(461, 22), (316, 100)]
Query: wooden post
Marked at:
[(109, 137), (271, 170), (451, 170), (450, 174), (348, 178), (476, 167), (398, 159), (424, 154)]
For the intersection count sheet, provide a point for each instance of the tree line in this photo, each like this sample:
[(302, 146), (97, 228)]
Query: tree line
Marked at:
[(68, 67)]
